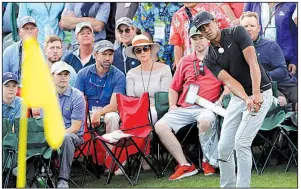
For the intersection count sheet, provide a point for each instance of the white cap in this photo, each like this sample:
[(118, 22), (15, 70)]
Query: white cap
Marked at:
[(60, 66)]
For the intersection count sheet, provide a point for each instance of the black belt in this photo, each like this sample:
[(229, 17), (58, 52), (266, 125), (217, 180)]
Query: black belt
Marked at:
[(262, 89), (265, 87)]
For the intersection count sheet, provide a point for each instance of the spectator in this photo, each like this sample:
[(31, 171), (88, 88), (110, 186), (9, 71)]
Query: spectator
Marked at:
[(47, 16), (233, 11), (126, 32), (276, 23), (182, 21), (73, 106), (231, 57), (11, 104), (53, 51), (100, 82), (110, 26), (125, 10), (82, 57), (14, 54), (95, 13), (191, 71), (154, 20), (271, 57), (138, 79)]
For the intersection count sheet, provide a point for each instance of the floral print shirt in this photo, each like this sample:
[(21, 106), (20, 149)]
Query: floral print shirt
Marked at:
[(148, 14)]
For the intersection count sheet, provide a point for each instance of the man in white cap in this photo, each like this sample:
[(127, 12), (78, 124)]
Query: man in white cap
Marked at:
[(82, 57), (100, 82), (13, 55), (11, 104), (125, 31), (73, 106)]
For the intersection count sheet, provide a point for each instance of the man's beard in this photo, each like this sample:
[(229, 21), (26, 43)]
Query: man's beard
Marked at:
[(54, 60)]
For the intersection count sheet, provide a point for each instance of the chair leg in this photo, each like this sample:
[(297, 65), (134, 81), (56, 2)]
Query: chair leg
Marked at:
[(12, 155), (117, 162), (148, 162)]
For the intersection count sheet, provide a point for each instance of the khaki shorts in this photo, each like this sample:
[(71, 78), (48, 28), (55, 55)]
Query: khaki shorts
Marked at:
[(181, 117)]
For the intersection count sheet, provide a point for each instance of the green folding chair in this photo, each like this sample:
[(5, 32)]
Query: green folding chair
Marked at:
[(39, 173), (9, 150), (162, 106)]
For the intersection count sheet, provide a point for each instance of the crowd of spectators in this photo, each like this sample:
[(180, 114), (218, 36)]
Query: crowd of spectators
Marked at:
[(130, 48)]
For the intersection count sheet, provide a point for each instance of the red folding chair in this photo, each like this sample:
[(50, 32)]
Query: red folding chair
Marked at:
[(136, 120)]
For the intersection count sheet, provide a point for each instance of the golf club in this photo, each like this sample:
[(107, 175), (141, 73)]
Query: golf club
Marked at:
[(226, 160)]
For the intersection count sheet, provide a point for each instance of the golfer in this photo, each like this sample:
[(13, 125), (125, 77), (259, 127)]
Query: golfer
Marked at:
[(232, 59)]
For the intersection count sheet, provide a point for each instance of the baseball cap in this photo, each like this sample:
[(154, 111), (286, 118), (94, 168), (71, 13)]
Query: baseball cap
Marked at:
[(202, 18), (9, 76), (59, 66), (103, 45), (25, 20), (193, 32), (125, 21), (82, 25)]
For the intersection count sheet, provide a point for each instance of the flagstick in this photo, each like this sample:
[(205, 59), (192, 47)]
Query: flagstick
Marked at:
[(21, 172)]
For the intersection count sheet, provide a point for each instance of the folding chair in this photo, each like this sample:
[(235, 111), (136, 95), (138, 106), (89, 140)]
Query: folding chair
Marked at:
[(286, 130), (136, 125), (9, 151), (91, 148), (39, 173), (186, 135), (269, 134)]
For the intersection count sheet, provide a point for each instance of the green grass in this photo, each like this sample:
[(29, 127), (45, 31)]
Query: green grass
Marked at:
[(273, 176)]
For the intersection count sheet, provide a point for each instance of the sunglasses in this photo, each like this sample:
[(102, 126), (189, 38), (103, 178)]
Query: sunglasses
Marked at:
[(128, 30), (140, 49)]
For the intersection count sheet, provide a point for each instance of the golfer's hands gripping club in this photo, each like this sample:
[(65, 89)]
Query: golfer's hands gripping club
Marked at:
[(254, 103)]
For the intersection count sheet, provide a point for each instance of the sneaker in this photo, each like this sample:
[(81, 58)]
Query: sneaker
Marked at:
[(183, 171), (62, 184), (208, 169)]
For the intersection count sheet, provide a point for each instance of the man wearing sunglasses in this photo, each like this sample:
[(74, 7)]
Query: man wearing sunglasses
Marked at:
[(232, 59), (191, 72), (100, 82), (125, 31)]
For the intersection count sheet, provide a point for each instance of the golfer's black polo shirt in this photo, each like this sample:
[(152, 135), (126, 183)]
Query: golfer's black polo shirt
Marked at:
[(234, 40)]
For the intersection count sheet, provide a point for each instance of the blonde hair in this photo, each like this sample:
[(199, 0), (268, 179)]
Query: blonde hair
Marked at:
[(249, 14)]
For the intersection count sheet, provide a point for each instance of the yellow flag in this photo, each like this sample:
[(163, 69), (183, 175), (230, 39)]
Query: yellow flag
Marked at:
[(38, 90)]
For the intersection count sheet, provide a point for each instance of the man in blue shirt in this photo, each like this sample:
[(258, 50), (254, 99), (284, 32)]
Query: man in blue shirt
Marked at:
[(125, 31), (73, 107), (13, 55), (11, 104), (82, 56), (271, 57), (100, 82)]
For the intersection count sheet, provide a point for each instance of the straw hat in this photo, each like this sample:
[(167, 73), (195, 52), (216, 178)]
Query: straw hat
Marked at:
[(141, 40)]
